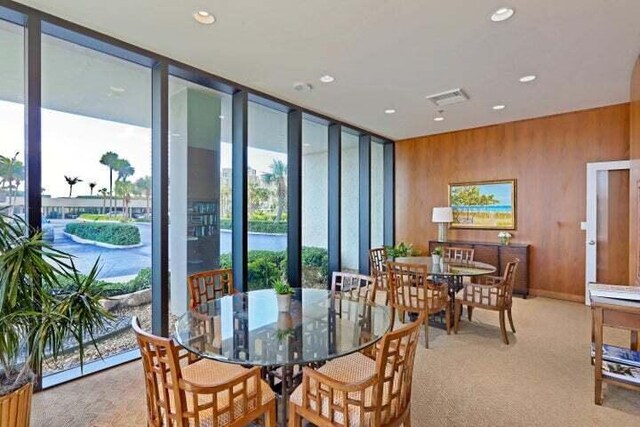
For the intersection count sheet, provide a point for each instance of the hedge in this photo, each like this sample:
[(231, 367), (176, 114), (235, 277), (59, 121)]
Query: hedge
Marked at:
[(259, 226), (111, 233), (263, 267)]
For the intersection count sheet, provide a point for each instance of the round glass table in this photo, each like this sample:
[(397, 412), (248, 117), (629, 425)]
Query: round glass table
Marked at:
[(450, 269), (249, 329), (450, 272)]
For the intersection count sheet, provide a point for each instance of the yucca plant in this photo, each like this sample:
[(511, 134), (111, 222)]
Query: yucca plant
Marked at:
[(37, 316)]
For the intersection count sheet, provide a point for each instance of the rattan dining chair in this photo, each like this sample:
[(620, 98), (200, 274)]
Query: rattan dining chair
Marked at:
[(491, 293), (378, 264), (412, 292), (186, 392), (455, 254), (354, 286), (356, 390), (209, 285)]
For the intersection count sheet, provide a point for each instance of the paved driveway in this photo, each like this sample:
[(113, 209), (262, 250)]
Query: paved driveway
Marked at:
[(128, 262), (115, 262)]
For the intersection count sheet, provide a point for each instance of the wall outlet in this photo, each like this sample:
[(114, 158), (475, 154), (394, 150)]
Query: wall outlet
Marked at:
[(583, 225)]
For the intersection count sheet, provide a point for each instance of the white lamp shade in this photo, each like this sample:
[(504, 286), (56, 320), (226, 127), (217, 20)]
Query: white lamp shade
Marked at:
[(444, 214)]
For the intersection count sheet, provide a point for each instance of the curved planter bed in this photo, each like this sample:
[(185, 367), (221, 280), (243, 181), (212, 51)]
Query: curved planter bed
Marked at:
[(100, 244)]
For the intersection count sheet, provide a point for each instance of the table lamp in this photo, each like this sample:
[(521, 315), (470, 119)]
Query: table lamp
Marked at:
[(443, 216)]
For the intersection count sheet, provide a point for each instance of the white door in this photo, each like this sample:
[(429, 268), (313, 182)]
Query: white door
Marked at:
[(607, 183)]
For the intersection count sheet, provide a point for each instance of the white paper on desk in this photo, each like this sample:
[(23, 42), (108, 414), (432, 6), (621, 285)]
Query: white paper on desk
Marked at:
[(615, 291)]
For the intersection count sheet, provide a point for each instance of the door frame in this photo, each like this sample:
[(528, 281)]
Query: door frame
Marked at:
[(591, 240)]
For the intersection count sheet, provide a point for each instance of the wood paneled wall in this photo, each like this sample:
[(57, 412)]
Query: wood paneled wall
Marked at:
[(548, 158), (634, 198)]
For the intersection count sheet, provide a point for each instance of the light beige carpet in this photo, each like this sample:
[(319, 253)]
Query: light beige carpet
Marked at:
[(544, 378)]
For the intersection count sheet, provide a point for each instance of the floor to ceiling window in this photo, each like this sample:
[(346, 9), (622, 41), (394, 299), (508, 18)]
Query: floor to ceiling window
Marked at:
[(267, 196), (350, 202), (12, 171), (315, 209), (96, 179), (377, 194), (199, 184)]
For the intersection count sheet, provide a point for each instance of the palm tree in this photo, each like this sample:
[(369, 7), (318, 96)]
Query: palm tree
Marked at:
[(72, 181), (278, 178), (103, 192), (124, 190), (124, 169), (109, 159), (11, 169), (143, 186), (92, 185)]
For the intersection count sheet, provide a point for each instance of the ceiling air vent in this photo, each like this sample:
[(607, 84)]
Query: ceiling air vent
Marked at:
[(449, 97)]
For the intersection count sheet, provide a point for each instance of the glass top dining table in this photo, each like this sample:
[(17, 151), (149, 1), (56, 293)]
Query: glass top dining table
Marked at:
[(450, 268), (249, 329)]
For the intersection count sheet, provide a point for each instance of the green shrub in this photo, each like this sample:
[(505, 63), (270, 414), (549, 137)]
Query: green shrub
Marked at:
[(315, 257), (111, 233), (259, 226), (138, 283), (142, 279), (261, 273)]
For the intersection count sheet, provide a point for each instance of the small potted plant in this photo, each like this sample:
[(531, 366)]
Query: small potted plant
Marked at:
[(38, 316), (436, 255), (401, 250), (505, 237), (283, 292)]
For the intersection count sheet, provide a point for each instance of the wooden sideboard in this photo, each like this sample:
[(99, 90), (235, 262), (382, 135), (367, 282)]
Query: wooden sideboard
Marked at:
[(497, 255)]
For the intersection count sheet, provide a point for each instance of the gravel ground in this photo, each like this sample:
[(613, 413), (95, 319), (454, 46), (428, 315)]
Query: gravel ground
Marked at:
[(111, 345)]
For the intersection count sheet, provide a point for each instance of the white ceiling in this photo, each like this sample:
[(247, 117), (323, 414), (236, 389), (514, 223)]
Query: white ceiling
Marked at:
[(391, 53)]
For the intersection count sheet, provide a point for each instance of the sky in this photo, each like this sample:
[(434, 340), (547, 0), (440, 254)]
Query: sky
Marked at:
[(502, 192), (72, 145)]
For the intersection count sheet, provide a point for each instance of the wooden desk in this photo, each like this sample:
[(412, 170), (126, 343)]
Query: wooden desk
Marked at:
[(617, 314)]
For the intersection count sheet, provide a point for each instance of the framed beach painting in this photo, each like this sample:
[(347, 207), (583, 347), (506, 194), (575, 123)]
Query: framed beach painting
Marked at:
[(487, 205)]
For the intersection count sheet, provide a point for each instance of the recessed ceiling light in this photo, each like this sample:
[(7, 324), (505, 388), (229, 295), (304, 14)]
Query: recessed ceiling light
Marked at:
[(204, 17), (527, 79), (306, 145), (502, 14), (499, 107), (438, 119), (327, 79), (390, 111), (221, 117), (302, 87)]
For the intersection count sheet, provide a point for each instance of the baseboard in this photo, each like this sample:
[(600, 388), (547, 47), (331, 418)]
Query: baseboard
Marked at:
[(556, 295)]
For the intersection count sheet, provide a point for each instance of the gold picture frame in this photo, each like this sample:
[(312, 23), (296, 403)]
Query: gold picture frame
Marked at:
[(484, 205)]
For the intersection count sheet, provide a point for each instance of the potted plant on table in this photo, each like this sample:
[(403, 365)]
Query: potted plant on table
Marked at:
[(283, 293), (505, 237), (401, 250), (436, 255), (38, 317)]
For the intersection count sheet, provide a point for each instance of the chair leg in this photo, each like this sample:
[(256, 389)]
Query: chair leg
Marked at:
[(426, 332), (456, 316), (469, 312), (513, 328), (503, 328), (294, 419), (270, 415), (407, 421), (447, 318)]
